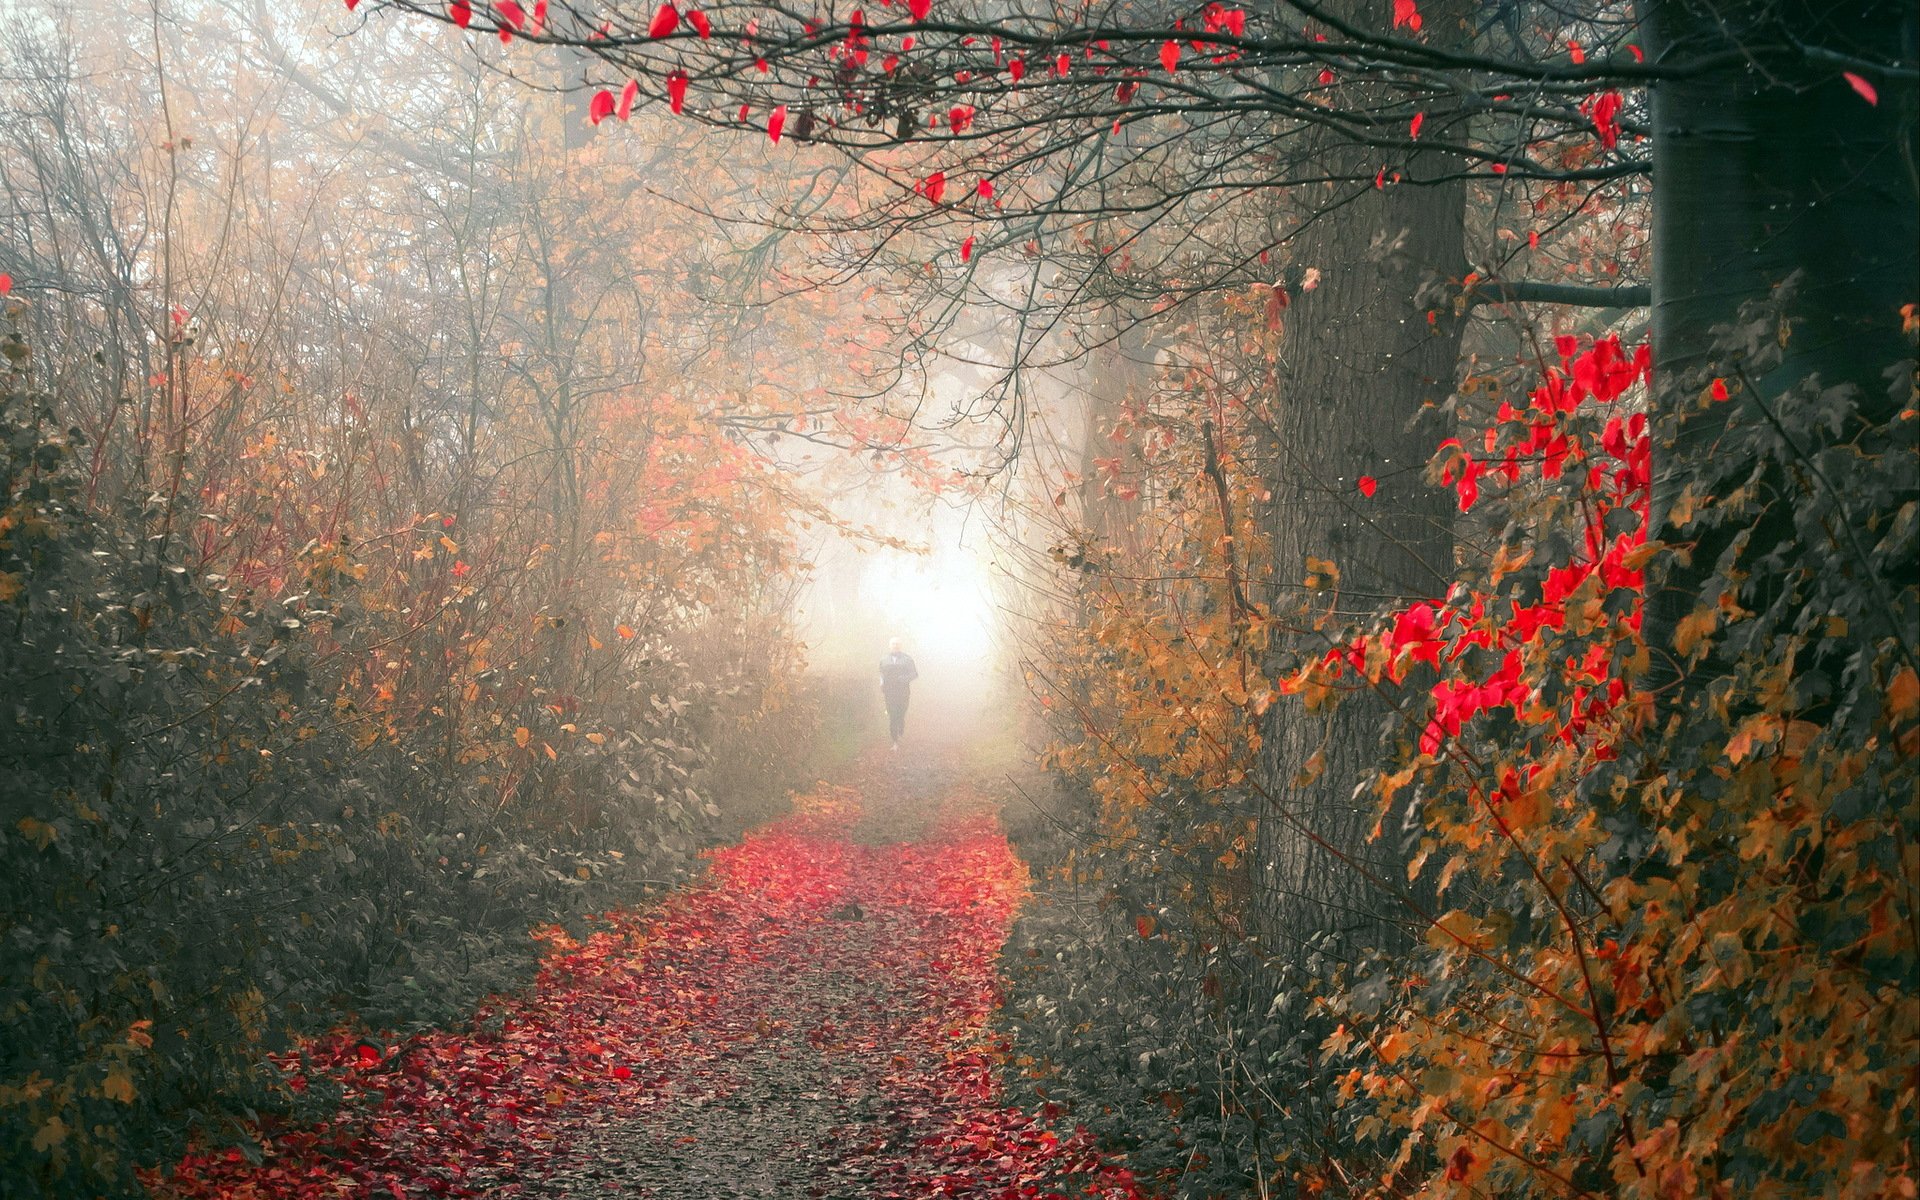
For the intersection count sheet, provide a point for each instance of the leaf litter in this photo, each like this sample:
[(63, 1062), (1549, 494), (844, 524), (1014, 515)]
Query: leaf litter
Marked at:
[(812, 1019)]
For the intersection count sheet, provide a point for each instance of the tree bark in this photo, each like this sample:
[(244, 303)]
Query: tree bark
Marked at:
[(1767, 171), (1360, 357)]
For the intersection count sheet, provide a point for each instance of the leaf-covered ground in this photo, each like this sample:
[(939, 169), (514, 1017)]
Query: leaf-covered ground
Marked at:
[(811, 1020)]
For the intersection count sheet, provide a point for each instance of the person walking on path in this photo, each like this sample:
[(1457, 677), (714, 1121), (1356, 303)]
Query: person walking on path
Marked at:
[(897, 674)]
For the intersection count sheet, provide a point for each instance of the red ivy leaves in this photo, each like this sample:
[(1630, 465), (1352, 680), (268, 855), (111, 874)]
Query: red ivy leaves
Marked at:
[(1540, 439)]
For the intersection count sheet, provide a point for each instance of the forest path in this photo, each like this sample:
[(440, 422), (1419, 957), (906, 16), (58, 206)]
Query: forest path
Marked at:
[(811, 1019)]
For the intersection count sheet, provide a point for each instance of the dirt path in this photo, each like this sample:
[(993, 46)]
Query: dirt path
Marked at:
[(811, 1020)]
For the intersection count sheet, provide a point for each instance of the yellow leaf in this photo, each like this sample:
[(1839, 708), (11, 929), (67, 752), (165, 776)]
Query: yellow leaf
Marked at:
[(582, 873), (521, 736), (1321, 573), (1391, 1047), (1692, 628), (1510, 559), (596, 738), (1903, 693), (1681, 511), (50, 1135), (36, 831), (625, 631), (1762, 728), (118, 1085)]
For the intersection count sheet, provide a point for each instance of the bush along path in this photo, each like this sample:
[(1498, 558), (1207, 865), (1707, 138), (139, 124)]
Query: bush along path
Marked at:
[(810, 1020)]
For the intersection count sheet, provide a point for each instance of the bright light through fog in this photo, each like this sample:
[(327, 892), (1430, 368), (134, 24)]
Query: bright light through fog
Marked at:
[(940, 605)]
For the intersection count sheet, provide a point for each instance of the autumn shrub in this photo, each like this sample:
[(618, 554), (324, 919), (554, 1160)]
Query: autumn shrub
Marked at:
[(1141, 994), (1670, 790), (216, 844), (1662, 798), (1161, 1030)]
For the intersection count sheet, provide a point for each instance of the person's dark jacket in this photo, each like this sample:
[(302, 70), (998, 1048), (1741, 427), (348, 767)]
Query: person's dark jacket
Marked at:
[(897, 673)]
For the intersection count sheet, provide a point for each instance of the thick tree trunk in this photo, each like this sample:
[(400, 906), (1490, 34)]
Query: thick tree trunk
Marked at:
[(1360, 357), (1766, 172)]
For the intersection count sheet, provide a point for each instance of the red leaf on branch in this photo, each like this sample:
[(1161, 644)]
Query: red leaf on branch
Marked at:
[(934, 186), (985, 190), (1170, 55), (1867, 91), (1016, 69), (600, 107), (677, 90), (776, 121), (1604, 111), (966, 249), (1368, 485), (624, 109), (960, 117), (919, 9), (666, 19), (461, 13), (700, 24), (1407, 13), (1413, 127)]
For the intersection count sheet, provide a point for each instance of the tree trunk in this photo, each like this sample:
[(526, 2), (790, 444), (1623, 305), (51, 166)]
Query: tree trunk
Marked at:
[(1359, 358), (1766, 172)]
